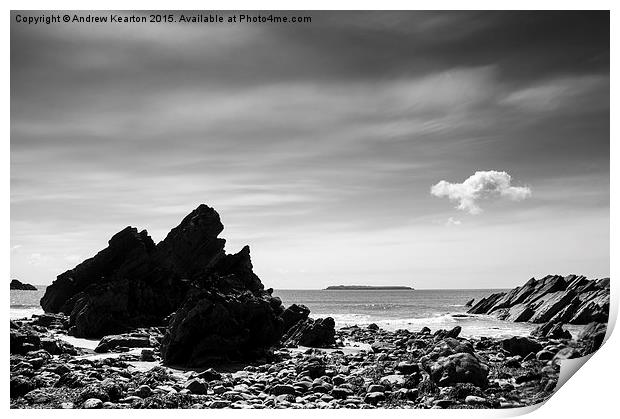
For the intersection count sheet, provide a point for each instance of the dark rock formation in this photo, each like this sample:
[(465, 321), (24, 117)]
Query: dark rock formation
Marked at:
[(136, 340), (520, 345), (593, 336), (572, 299), (211, 327), (135, 283), (459, 368), (294, 314), (319, 333), (551, 330), (26, 340), (17, 285), (470, 302)]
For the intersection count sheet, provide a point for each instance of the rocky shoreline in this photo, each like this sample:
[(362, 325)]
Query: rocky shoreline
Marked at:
[(21, 286), (366, 368), (183, 324)]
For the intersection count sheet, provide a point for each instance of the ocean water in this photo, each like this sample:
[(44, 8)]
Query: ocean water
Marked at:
[(391, 310), (408, 309), (26, 303)]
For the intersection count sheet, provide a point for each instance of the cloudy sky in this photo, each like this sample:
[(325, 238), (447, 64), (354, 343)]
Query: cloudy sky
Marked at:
[(437, 150)]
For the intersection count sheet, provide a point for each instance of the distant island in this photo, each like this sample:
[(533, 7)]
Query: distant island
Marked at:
[(366, 288), (18, 285)]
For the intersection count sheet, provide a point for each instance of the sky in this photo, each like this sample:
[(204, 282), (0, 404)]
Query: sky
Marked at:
[(428, 149)]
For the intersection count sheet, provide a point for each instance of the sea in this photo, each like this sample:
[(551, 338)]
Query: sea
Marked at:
[(390, 310)]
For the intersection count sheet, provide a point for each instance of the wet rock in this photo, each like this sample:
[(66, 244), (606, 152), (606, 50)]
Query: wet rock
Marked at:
[(567, 353), (19, 386), (459, 368), (554, 298), (135, 283), (341, 392), (144, 391), (319, 333), (379, 347), (520, 345), (407, 368), (147, 355), (209, 375), (213, 327), (551, 330), (93, 391), (93, 404), (293, 315), (283, 389), (109, 343), (475, 400), (197, 386), (24, 341), (375, 388), (593, 337), (374, 397), (544, 355), (528, 376)]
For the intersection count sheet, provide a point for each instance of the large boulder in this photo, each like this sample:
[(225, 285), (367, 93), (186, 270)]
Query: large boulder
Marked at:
[(520, 345), (572, 299), (319, 333), (109, 343), (593, 336), (294, 314), (551, 330), (459, 368), (211, 327), (136, 283)]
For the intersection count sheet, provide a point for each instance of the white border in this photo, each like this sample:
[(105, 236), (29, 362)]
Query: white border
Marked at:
[(593, 390)]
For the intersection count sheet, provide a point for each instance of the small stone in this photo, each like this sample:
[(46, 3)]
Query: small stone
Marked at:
[(341, 392), (373, 388), (144, 391), (220, 404), (443, 403), (93, 404), (374, 397), (407, 368), (147, 355), (544, 355), (283, 389), (197, 386), (475, 400)]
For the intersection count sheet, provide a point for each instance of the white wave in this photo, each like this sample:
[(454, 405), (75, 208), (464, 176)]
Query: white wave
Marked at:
[(21, 313), (472, 325)]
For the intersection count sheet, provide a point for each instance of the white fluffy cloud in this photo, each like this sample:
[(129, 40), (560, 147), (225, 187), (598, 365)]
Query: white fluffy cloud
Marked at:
[(482, 185)]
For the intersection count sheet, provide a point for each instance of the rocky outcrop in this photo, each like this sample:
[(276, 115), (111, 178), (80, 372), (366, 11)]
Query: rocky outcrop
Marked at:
[(593, 336), (551, 330), (459, 368), (124, 342), (553, 299), (521, 345), (18, 285), (211, 327), (294, 314), (319, 333), (214, 304)]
